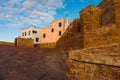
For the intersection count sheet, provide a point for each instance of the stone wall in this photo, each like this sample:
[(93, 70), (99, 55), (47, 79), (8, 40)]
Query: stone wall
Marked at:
[(107, 17), (72, 38), (94, 33), (46, 45), (24, 42), (90, 30), (99, 63), (116, 5), (90, 18), (102, 36)]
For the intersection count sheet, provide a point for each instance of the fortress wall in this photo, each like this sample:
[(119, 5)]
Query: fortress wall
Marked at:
[(98, 25), (116, 5), (46, 45), (98, 63), (103, 36), (107, 17), (90, 18), (94, 33), (24, 42), (72, 38)]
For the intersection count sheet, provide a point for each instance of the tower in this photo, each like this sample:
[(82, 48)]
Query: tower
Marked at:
[(66, 22)]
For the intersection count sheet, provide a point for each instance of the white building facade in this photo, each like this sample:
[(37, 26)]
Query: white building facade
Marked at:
[(46, 34), (32, 32)]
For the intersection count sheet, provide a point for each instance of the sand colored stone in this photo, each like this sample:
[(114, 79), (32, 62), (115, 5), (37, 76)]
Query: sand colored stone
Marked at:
[(24, 42), (91, 30), (98, 63)]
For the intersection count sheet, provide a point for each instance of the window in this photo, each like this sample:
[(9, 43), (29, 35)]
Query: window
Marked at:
[(60, 33), (34, 32), (60, 24), (52, 30), (37, 39), (25, 33), (22, 34), (44, 35), (29, 33)]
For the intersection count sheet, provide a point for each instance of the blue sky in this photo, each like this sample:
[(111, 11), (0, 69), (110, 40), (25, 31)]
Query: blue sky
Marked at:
[(18, 14)]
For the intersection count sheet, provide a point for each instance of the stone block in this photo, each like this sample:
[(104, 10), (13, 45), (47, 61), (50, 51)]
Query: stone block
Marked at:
[(24, 42)]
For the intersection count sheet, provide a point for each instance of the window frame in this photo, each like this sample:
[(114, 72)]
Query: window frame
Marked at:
[(44, 35), (25, 34), (34, 31), (60, 33), (52, 30), (60, 24), (29, 32), (36, 39)]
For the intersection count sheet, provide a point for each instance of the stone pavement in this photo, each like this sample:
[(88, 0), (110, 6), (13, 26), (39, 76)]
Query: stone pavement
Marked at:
[(25, 63)]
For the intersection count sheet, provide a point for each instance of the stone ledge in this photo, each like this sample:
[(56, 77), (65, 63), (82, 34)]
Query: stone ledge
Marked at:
[(109, 55)]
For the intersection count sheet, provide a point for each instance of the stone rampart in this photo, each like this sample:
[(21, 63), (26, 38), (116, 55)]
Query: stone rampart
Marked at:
[(46, 45), (90, 18), (102, 36), (98, 63), (90, 30), (24, 42), (72, 38)]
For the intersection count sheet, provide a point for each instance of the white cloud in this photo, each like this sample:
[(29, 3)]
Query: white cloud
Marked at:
[(20, 12)]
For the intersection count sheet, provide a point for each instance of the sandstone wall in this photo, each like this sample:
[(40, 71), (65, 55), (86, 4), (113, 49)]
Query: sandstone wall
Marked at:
[(24, 42), (116, 5), (94, 33), (72, 38), (46, 45), (88, 31), (102, 36), (107, 17), (99, 63), (90, 18)]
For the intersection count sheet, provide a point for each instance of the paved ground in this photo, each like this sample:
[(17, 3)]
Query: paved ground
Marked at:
[(23, 63)]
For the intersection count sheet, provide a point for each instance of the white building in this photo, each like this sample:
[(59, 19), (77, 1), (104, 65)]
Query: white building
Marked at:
[(46, 35), (32, 32)]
